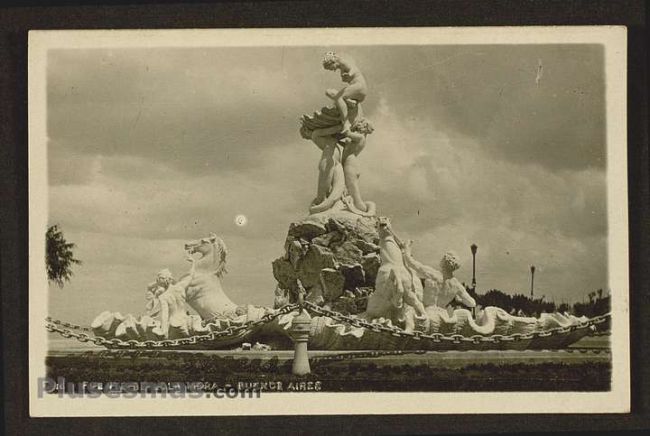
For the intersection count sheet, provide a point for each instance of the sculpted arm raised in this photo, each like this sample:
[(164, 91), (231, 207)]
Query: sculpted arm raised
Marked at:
[(423, 271)]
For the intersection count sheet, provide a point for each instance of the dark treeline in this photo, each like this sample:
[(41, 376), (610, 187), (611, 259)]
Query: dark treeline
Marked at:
[(519, 304)]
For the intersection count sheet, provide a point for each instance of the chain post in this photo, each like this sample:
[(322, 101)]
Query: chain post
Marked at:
[(301, 326)]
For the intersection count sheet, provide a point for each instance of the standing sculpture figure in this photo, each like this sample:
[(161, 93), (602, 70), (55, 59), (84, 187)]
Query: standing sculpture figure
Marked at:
[(355, 141), (353, 93), (329, 168), (340, 133)]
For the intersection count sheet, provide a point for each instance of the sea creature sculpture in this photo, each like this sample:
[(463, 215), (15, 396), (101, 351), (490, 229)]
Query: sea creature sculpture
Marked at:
[(205, 292), (168, 300), (394, 288)]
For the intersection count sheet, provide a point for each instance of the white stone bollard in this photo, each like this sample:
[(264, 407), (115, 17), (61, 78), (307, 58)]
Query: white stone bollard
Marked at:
[(301, 326)]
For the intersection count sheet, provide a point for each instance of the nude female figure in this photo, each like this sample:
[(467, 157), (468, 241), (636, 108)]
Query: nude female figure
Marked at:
[(355, 141), (326, 140), (353, 93)]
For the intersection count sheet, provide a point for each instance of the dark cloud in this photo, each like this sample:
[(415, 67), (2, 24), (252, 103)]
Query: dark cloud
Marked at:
[(490, 93), (216, 115), (203, 110)]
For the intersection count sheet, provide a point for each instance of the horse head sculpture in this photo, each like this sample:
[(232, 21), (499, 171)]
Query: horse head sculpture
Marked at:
[(213, 253), (205, 293)]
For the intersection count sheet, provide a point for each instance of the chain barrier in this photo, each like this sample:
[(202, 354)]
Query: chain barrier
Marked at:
[(68, 325), (64, 329), (454, 338)]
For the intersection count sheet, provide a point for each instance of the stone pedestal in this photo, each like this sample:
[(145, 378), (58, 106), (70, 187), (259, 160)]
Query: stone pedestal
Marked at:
[(300, 334), (330, 253)]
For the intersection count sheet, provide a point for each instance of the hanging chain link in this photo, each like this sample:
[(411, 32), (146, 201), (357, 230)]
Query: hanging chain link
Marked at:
[(68, 325), (66, 330), (454, 338)]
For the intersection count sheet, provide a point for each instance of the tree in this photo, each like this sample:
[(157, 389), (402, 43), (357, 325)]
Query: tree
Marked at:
[(564, 307), (59, 257)]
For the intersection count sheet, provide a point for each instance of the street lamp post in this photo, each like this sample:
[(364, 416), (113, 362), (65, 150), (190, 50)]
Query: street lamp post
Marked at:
[(532, 280), (473, 247)]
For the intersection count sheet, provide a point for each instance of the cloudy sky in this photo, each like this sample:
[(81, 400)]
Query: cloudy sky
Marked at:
[(149, 148)]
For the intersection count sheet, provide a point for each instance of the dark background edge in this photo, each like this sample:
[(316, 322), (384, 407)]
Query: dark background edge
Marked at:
[(15, 21)]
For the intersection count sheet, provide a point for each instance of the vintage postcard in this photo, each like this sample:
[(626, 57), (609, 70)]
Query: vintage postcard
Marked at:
[(328, 221)]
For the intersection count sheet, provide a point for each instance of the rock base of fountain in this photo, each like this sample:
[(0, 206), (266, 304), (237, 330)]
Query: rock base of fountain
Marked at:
[(336, 258)]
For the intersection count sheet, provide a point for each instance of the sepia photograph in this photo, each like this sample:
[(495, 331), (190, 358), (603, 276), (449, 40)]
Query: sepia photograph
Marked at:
[(314, 221)]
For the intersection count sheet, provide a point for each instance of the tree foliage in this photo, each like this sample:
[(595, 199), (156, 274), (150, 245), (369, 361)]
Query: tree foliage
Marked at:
[(59, 257), (595, 306), (519, 303)]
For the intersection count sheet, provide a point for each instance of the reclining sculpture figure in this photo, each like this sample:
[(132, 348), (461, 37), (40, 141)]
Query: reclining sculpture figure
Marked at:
[(440, 288)]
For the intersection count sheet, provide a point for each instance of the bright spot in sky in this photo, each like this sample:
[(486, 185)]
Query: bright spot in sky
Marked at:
[(241, 220)]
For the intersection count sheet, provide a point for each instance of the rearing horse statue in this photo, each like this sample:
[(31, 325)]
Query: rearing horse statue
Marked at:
[(204, 292), (395, 286), (200, 288)]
